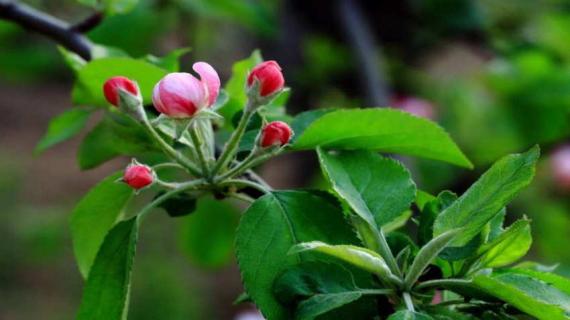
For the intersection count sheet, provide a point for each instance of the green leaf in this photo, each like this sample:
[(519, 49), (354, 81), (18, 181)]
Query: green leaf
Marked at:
[(362, 258), (560, 283), (271, 226), (236, 85), (105, 295), (94, 216), (304, 119), (508, 247), (378, 189), (427, 255), (110, 138), (63, 127), (88, 89), (384, 130), (207, 236), (430, 211), (422, 198), (533, 296), (486, 197), (170, 62), (409, 315), (119, 6), (318, 288)]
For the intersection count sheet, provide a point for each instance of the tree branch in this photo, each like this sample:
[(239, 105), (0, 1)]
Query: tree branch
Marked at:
[(89, 23), (47, 25)]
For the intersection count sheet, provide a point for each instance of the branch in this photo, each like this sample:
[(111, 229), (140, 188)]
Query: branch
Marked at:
[(47, 25), (89, 23), (366, 51)]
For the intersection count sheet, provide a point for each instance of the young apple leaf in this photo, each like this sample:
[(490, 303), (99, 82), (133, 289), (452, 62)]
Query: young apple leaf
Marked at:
[(304, 119), (271, 226), (508, 247), (110, 138), (560, 283), (63, 127), (94, 216), (359, 257), (486, 197), (528, 294), (105, 295), (90, 79), (378, 189), (317, 288), (386, 130), (427, 255)]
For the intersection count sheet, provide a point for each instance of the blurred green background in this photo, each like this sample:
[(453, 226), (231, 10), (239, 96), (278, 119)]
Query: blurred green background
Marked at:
[(495, 74)]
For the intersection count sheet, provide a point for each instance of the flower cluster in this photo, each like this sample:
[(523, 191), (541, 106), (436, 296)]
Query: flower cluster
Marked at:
[(182, 96)]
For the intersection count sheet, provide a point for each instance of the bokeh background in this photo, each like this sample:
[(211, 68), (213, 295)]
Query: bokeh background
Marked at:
[(495, 74)]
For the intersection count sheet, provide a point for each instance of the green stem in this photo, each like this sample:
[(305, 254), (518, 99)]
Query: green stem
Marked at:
[(167, 165), (199, 154), (182, 187), (231, 146), (182, 160), (244, 183), (443, 283), (408, 301), (242, 197), (375, 240)]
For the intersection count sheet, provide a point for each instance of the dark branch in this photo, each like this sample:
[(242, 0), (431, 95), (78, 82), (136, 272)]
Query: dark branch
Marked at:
[(88, 24), (49, 26), (366, 51)]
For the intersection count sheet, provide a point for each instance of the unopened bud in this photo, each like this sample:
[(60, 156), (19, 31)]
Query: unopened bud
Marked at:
[(112, 86), (138, 176), (560, 166), (265, 80), (276, 133)]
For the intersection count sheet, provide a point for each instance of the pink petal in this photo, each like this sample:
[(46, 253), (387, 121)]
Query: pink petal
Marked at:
[(210, 80)]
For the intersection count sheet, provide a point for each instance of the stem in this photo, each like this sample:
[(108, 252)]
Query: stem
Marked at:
[(408, 301), (443, 283), (231, 146), (194, 184), (167, 165), (199, 154), (376, 291), (375, 240), (244, 183), (243, 197), (182, 160)]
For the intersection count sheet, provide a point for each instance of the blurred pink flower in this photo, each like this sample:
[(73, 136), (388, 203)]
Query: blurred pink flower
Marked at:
[(560, 166), (416, 106)]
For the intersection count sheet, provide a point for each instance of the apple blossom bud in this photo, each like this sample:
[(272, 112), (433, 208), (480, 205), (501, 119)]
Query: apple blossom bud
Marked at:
[(138, 175), (275, 133), (560, 166), (269, 76), (181, 95), (415, 106), (112, 86)]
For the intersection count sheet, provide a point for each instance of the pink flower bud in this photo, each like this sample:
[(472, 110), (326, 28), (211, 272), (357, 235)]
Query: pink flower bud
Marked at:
[(560, 166), (112, 86), (415, 106), (181, 95), (138, 176), (270, 78), (275, 133)]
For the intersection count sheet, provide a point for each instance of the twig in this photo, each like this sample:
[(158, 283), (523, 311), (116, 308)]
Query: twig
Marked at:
[(47, 25), (89, 23)]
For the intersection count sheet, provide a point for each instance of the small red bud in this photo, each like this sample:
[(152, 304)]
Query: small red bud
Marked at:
[(111, 89), (270, 78), (138, 176), (560, 166), (275, 133)]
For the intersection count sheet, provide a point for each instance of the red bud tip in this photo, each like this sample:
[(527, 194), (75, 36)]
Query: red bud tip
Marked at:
[(138, 176), (275, 133), (560, 166), (112, 86), (270, 78)]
